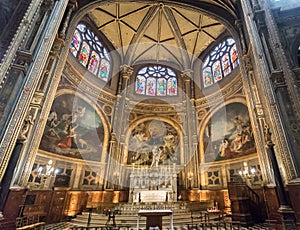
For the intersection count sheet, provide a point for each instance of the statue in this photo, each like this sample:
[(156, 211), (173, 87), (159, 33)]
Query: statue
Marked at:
[(156, 151), (27, 123)]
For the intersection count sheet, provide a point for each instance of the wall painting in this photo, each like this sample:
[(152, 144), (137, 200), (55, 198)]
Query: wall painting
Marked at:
[(73, 129), (153, 139), (228, 134)]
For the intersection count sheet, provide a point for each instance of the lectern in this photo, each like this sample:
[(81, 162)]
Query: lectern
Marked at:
[(154, 218)]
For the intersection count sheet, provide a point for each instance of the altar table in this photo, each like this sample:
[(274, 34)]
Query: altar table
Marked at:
[(154, 218)]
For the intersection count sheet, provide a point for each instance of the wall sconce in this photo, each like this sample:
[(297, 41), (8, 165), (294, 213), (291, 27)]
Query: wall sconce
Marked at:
[(47, 171), (189, 177), (116, 176), (247, 173)]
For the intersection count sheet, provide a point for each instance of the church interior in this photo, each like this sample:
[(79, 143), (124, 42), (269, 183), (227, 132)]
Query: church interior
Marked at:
[(138, 114)]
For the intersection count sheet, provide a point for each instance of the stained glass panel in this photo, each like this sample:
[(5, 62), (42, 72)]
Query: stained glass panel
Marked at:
[(150, 88), (140, 85), (161, 87), (220, 62), (217, 71), (94, 63), (172, 86), (92, 54), (226, 64), (84, 54), (234, 57), (207, 77), (160, 81), (104, 70), (76, 42)]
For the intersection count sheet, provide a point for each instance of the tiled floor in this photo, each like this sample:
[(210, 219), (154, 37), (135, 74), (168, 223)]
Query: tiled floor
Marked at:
[(66, 226)]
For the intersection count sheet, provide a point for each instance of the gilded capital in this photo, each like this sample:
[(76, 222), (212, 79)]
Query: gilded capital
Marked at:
[(187, 74), (126, 71)]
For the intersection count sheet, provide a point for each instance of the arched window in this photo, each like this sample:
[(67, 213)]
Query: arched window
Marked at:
[(156, 80), (220, 62), (90, 52)]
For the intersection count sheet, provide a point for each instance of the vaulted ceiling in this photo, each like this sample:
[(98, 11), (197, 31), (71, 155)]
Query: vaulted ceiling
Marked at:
[(158, 32)]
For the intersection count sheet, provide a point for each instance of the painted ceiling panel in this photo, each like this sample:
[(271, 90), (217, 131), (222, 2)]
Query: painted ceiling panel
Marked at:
[(112, 34), (155, 24), (129, 8), (135, 20), (127, 35), (191, 16), (190, 40), (183, 23), (110, 7), (215, 30), (203, 41), (165, 29), (100, 18), (152, 30)]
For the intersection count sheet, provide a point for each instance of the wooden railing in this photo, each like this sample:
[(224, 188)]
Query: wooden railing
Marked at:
[(241, 195), (29, 222)]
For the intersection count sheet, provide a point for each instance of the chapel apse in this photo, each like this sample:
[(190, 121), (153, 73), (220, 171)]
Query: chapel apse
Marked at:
[(150, 136), (73, 129), (228, 134)]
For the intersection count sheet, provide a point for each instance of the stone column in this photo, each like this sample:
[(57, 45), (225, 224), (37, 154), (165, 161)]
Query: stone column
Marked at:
[(77, 177), (191, 125), (272, 107), (287, 214), (258, 117), (43, 97), (119, 125)]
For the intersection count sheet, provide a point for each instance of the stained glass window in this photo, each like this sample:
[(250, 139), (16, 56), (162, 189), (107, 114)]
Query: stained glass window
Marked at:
[(220, 62), (156, 80), (90, 52)]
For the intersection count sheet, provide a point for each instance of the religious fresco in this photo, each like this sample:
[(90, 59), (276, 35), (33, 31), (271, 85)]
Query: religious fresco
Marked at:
[(152, 143), (73, 129), (228, 134)]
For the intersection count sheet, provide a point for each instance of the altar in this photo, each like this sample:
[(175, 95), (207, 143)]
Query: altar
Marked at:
[(156, 184), (154, 218), (154, 196)]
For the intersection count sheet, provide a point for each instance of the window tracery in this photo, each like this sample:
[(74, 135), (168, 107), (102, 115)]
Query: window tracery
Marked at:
[(90, 52), (156, 80), (220, 62)]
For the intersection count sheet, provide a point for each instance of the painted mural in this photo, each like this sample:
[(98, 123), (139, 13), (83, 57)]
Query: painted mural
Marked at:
[(153, 142), (228, 134), (73, 129)]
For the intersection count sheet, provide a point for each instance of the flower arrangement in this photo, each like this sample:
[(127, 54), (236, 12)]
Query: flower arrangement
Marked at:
[(106, 211)]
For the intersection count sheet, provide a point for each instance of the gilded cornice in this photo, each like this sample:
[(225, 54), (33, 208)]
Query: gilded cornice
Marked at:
[(162, 109), (59, 157), (76, 79), (231, 89)]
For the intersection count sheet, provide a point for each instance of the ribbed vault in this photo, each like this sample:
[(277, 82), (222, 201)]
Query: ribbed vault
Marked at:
[(158, 32)]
